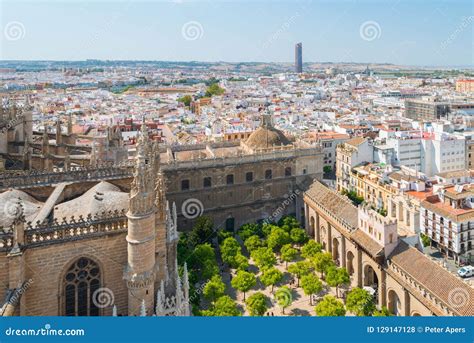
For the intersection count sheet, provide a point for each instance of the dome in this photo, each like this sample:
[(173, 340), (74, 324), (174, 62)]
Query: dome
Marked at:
[(102, 197), (266, 136), (9, 206)]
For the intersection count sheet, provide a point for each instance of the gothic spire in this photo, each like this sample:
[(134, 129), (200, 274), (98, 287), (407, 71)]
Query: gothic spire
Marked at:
[(142, 194)]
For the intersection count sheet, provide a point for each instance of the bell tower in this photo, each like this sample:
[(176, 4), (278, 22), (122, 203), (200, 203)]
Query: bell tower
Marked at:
[(140, 270)]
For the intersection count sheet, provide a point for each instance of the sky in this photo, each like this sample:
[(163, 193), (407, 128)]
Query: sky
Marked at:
[(405, 32)]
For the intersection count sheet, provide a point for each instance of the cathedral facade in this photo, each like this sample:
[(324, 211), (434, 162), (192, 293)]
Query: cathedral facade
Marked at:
[(92, 249)]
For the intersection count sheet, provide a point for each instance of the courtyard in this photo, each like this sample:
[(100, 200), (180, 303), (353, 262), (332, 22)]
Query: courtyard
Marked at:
[(269, 269)]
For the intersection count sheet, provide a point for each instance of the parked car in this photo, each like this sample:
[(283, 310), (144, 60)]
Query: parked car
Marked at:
[(466, 271)]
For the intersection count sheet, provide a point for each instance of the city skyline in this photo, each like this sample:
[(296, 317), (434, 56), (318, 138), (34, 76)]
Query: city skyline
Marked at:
[(395, 32)]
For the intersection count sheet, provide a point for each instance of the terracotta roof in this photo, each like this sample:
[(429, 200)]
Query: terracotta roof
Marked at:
[(433, 204), (455, 173), (466, 191), (446, 286), (399, 176), (366, 243), (356, 141)]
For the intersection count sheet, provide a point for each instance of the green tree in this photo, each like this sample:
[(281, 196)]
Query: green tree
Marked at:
[(352, 195), (214, 288), (384, 312), (425, 240), (229, 249), (322, 261), (271, 276), (337, 277), (288, 254), (203, 261), (240, 262), (186, 100), (223, 307), (223, 234), (248, 230), (360, 302), (310, 249), (256, 304), (330, 307), (263, 257), (327, 169), (243, 281), (277, 238), (288, 222), (311, 285), (267, 229), (299, 269), (214, 89), (208, 269), (298, 236), (202, 232), (284, 297), (184, 248), (211, 81), (253, 242)]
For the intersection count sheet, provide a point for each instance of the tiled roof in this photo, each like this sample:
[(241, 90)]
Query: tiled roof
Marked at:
[(334, 202), (455, 173), (368, 244), (356, 141), (433, 204), (444, 285), (399, 176)]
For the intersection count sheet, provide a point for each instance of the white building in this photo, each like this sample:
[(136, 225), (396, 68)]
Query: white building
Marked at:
[(443, 153), (447, 218)]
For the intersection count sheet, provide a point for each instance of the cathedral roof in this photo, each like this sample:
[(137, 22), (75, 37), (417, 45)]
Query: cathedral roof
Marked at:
[(102, 197), (8, 206)]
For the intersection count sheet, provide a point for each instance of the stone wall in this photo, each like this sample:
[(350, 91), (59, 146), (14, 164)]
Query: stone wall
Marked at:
[(46, 266)]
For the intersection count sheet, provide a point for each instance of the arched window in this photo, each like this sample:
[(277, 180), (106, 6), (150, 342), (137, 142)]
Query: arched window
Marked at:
[(80, 282)]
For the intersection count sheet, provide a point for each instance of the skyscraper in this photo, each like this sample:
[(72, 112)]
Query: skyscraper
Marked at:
[(299, 58)]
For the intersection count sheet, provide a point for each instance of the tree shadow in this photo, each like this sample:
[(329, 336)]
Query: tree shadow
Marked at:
[(300, 312), (253, 269), (295, 295), (259, 285)]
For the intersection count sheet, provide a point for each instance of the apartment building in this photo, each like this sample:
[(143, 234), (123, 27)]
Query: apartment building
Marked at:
[(447, 218), (348, 155), (443, 153), (408, 150), (395, 194), (434, 109), (328, 140), (465, 86)]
